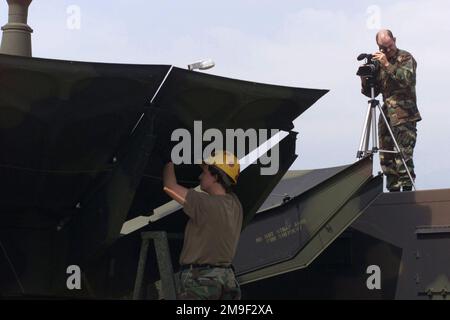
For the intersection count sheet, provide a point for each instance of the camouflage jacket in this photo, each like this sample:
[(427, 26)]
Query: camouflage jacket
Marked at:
[(397, 83)]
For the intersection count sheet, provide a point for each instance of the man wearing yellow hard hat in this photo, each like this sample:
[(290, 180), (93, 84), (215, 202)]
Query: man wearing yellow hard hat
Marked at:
[(213, 230)]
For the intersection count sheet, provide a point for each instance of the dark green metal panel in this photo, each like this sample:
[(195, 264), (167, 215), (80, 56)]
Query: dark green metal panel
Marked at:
[(339, 273), (291, 236), (419, 224), (296, 182), (105, 210), (76, 154), (62, 123), (254, 188), (229, 103)]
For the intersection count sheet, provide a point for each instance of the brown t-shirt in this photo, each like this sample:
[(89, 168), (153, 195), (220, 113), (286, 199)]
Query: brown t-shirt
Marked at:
[(212, 232)]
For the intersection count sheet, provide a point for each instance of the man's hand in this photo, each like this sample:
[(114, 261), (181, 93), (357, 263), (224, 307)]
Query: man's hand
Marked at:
[(381, 57)]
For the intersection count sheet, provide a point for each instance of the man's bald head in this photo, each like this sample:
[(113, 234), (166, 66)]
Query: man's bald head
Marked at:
[(386, 43), (383, 35)]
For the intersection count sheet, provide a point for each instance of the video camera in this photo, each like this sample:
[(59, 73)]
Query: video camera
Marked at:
[(370, 69)]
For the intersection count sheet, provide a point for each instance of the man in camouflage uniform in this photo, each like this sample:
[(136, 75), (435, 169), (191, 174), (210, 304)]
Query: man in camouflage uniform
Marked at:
[(396, 80), (212, 232)]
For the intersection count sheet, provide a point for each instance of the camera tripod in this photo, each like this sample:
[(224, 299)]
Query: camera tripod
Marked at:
[(370, 126)]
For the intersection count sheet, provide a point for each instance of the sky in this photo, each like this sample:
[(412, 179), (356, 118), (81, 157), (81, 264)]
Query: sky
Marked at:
[(308, 44)]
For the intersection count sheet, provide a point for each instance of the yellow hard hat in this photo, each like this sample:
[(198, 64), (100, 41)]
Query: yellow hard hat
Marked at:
[(227, 162)]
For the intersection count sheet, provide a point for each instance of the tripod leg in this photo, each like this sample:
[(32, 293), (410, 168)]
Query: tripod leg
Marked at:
[(367, 137), (397, 147), (364, 143), (374, 130)]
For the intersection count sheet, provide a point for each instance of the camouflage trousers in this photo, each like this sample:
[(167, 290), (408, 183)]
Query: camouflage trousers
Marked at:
[(391, 163), (208, 284)]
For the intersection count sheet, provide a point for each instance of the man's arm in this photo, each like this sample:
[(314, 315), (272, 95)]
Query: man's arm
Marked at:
[(405, 74), (405, 71), (171, 187)]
